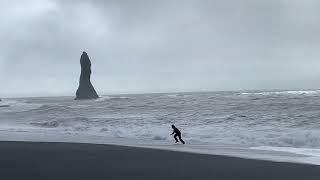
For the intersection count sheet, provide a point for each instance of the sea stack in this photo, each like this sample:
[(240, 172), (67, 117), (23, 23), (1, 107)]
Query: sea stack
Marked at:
[(85, 90)]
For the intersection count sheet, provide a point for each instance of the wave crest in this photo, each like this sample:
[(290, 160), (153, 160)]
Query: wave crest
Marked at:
[(268, 93)]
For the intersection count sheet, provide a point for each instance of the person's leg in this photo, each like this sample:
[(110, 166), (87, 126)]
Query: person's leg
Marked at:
[(180, 139), (175, 137)]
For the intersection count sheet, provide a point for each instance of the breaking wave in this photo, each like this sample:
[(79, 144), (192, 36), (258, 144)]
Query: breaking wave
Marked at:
[(310, 92), (105, 98), (251, 119)]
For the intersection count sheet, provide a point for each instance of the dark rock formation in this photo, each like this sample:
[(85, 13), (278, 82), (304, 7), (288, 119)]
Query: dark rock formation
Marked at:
[(85, 90)]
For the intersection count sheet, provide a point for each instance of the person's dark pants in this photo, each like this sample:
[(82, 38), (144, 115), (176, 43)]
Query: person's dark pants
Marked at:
[(179, 136)]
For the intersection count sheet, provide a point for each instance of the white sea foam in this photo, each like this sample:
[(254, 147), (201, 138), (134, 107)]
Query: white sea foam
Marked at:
[(105, 98), (268, 93), (302, 151), (205, 119), (19, 134)]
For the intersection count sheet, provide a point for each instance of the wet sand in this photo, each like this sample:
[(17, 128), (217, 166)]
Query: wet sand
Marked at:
[(27, 160)]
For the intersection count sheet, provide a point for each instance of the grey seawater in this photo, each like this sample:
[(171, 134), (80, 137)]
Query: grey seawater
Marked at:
[(253, 119)]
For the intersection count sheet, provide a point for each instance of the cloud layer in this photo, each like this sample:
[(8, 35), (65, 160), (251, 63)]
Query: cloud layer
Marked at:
[(159, 46)]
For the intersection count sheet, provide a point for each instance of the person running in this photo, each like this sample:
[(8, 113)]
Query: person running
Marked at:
[(176, 133)]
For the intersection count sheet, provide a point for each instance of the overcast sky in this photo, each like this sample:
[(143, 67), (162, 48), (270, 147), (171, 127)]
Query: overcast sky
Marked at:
[(141, 46)]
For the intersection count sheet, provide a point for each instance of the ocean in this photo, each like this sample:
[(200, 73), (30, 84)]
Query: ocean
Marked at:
[(286, 121)]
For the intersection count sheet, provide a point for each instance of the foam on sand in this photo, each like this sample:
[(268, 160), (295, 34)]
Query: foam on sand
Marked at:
[(313, 154), (212, 149)]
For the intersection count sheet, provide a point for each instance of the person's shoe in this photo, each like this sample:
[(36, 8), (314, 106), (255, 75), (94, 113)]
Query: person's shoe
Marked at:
[(177, 141)]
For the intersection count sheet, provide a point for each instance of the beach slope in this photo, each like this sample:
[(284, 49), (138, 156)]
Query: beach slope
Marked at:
[(29, 160)]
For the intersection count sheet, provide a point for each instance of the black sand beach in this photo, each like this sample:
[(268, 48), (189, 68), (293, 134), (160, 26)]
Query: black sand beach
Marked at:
[(26, 160)]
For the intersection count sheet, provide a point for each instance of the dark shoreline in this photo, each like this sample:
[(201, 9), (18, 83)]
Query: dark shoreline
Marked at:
[(30, 160)]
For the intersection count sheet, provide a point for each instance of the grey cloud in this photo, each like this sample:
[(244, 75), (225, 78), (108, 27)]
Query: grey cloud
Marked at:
[(159, 46)]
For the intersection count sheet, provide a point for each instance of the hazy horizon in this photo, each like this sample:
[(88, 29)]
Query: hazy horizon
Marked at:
[(159, 46)]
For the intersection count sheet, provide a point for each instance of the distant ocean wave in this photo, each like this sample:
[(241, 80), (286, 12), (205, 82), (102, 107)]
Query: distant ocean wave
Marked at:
[(303, 92), (9, 105), (105, 98), (178, 95)]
